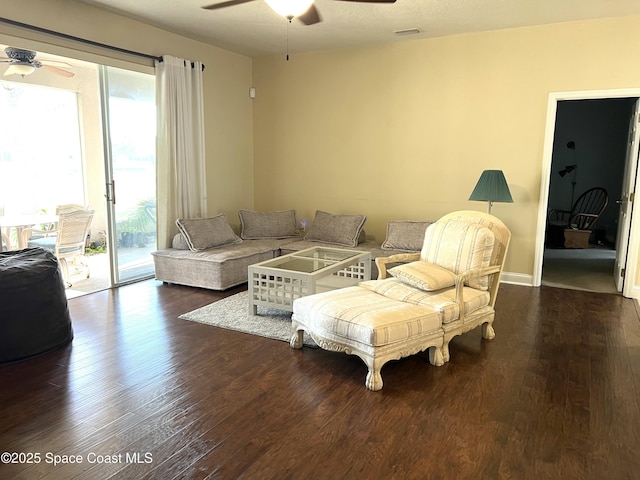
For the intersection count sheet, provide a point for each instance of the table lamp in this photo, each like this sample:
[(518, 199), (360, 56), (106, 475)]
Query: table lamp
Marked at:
[(491, 187)]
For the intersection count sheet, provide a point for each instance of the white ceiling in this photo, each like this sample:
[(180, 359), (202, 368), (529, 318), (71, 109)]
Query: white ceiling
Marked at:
[(254, 29)]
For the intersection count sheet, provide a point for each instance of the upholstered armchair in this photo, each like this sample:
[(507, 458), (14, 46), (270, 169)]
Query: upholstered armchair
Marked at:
[(481, 274), (421, 303)]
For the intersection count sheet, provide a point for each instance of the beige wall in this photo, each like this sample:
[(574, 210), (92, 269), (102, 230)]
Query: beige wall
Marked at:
[(404, 131), (227, 78)]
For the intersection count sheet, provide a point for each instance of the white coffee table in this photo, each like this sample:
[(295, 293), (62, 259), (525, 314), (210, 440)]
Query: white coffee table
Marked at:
[(279, 281)]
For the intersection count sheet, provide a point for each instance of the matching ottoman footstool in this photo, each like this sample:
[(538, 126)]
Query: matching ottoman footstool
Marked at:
[(377, 329)]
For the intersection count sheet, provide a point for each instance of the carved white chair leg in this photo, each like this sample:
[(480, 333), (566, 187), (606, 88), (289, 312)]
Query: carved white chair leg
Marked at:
[(436, 356), (487, 331), (374, 379), (297, 339), (445, 350)]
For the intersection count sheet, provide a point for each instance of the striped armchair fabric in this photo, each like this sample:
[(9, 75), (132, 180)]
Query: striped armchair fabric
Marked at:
[(459, 247)]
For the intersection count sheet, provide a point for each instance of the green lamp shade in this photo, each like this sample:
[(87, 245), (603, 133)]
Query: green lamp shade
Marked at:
[(492, 187)]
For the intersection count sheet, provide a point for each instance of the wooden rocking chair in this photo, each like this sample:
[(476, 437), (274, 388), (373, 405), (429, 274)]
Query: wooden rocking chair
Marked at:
[(572, 229)]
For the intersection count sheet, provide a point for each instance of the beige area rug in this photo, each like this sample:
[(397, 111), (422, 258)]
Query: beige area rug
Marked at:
[(232, 313)]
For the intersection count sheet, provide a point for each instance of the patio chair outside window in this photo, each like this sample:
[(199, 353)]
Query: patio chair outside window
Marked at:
[(70, 242)]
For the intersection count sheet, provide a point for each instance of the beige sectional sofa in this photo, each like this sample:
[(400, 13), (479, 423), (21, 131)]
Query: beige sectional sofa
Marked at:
[(208, 254)]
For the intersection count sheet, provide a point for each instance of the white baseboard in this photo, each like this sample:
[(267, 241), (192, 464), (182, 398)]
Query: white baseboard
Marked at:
[(527, 281), (517, 279)]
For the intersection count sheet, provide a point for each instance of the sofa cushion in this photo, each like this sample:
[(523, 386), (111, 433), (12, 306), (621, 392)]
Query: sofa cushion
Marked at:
[(423, 275), (214, 268), (459, 247), (203, 233), (443, 301), (405, 236), (259, 225), (342, 230)]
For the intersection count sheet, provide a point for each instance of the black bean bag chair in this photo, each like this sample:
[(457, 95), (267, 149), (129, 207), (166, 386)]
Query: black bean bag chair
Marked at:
[(34, 316)]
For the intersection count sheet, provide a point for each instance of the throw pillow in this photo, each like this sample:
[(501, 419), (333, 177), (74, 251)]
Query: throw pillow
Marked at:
[(459, 247), (336, 229), (405, 236), (179, 242), (203, 233), (256, 225), (423, 275)]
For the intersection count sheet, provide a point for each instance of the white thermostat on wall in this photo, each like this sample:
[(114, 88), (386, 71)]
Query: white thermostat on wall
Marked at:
[(252, 92)]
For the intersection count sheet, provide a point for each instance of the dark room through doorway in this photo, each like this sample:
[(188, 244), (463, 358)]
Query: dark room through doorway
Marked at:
[(590, 149)]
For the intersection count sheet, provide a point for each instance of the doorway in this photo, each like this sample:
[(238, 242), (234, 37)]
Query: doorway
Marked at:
[(590, 142)]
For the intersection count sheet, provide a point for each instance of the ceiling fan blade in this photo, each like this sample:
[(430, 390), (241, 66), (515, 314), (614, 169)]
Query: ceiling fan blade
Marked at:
[(228, 3), (56, 63), (57, 70), (311, 16)]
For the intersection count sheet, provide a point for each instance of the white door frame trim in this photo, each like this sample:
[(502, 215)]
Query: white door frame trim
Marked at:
[(545, 178)]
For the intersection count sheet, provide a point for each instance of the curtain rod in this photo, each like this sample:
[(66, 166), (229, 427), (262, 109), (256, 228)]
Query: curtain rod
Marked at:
[(82, 40)]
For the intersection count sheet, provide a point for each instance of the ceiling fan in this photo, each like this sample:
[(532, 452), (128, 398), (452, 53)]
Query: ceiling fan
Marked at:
[(304, 10), (23, 62)]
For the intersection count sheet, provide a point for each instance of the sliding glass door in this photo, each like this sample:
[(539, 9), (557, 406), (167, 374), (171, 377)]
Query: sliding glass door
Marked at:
[(129, 124)]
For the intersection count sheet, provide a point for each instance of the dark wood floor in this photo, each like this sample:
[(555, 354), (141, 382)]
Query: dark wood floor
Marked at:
[(556, 395)]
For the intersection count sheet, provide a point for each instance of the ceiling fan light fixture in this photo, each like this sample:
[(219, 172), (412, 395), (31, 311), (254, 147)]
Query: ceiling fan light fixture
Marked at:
[(289, 8), (20, 69)]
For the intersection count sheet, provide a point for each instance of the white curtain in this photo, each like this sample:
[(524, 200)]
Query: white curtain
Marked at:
[(180, 154)]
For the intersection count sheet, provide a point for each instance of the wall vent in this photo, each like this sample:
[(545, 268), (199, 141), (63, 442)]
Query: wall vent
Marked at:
[(408, 31)]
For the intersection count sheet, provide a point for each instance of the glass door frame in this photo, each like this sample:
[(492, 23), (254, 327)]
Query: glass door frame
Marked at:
[(110, 185), (112, 243)]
